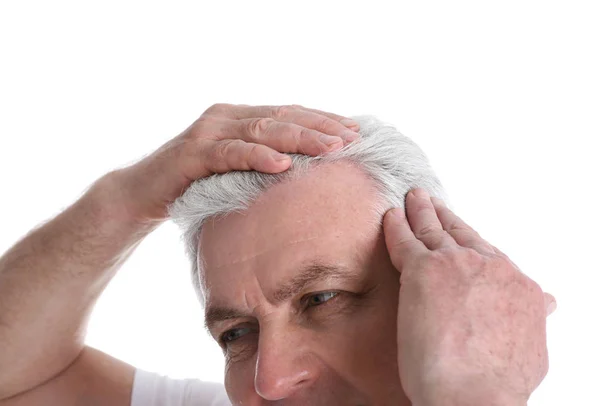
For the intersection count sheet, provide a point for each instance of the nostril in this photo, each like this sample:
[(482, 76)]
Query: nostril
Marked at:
[(301, 383), (283, 368), (282, 387)]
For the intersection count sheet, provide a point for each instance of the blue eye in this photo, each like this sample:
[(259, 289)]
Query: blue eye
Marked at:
[(233, 334), (320, 298)]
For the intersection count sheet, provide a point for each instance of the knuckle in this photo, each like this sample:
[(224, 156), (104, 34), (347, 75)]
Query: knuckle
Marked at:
[(471, 256), (504, 262), (474, 266), (217, 108), (303, 132), (280, 112), (298, 134), (205, 127), (505, 270), (438, 237), (486, 248), (222, 149), (326, 124), (457, 225), (217, 153), (501, 256), (421, 206), (499, 252), (401, 243), (428, 229), (201, 126), (439, 259), (259, 127), (252, 154)]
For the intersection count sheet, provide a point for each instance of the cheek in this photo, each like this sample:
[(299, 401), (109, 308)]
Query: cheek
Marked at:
[(371, 351), (239, 380), (374, 339), (362, 346)]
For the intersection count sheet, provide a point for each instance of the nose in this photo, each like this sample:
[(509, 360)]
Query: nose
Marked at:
[(284, 366)]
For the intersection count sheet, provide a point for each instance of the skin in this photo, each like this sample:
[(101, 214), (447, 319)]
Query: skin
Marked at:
[(471, 325), (341, 352), (51, 278), (427, 288)]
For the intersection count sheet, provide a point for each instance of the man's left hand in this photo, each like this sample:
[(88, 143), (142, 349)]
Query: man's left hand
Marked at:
[(471, 325)]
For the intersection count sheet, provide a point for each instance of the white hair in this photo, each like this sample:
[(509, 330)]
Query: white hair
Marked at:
[(393, 161)]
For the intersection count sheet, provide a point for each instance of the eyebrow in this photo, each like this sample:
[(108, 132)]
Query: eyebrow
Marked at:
[(314, 272)]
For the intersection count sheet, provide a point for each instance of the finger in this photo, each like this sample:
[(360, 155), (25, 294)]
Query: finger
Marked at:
[(550, 302), (231, 155), (401, 242), (347, 122), (424, 221), (462, 233), (324, 122), (240, 111), (283, 137), (319, 122)]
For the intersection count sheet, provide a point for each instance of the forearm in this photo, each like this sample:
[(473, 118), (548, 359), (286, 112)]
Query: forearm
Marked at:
[(50, 280)]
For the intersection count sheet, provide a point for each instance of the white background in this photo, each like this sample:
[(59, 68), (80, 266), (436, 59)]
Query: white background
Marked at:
[(504, 97)]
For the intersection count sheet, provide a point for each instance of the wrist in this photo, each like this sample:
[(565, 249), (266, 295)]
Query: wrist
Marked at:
[(112, 200)]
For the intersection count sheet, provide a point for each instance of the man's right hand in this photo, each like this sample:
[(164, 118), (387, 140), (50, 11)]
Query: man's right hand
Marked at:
[(226, 138)]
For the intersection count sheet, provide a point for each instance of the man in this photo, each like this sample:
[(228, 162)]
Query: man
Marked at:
[(311, 299)]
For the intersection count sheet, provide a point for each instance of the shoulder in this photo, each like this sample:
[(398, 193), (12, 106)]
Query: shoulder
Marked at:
[(151, 389)]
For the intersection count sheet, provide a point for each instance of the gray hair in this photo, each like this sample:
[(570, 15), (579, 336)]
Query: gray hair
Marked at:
[(393, 161)]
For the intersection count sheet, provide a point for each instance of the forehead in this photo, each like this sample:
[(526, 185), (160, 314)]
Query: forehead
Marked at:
[(325, 214)]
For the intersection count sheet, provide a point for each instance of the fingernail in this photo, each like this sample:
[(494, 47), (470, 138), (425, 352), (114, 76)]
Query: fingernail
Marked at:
[(350, 135), (420, 192), (349, 122), (329, 140), (551, 307), (280, 157)]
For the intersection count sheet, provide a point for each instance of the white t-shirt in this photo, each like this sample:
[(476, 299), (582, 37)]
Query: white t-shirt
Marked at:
[(150, 389)]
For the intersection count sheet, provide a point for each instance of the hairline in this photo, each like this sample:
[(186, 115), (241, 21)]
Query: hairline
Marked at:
[(393, 161)]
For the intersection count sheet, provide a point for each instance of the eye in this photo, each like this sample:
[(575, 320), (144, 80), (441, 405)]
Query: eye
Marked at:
[(233, 334), (317, 299)]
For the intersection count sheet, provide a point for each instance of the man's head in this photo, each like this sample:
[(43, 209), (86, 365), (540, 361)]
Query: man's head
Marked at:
[(294, 273)]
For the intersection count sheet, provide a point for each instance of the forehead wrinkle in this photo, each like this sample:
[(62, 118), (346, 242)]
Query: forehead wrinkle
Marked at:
[(249, 257)]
